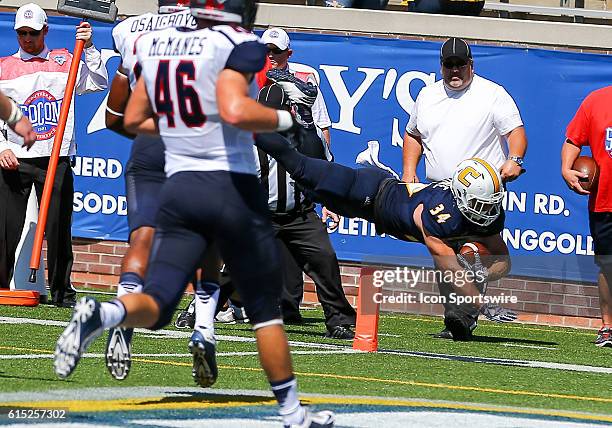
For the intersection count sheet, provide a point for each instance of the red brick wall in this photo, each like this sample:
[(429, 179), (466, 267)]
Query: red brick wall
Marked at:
[(540, 301), (97, 265)]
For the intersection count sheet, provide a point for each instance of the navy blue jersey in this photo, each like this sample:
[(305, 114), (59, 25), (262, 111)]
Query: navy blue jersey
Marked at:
[(397, 201)]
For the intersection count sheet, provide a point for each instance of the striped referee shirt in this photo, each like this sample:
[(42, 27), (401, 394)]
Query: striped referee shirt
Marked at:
[(282, 194)]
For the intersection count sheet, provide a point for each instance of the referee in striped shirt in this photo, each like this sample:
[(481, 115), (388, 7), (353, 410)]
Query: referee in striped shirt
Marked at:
[(301, 235)]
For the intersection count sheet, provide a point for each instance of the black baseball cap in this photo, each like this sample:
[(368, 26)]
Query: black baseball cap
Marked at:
[(455, 48), (273, 96)]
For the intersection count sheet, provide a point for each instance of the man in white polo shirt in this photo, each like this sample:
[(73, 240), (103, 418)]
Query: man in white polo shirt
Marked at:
[(459, 117)]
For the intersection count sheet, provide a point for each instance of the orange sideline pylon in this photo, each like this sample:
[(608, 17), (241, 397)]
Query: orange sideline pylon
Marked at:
[(19, 297), (57, 145), (366, 328)]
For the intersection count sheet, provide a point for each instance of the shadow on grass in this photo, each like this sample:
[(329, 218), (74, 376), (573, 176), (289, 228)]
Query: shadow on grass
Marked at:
[(24, 377), (211, 397), (495, 339)]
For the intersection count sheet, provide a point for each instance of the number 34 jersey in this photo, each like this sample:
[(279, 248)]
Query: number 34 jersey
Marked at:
[(180, 68), (397, 201)]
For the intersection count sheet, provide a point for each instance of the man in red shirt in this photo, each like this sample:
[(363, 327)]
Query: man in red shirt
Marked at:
[(592, 126)]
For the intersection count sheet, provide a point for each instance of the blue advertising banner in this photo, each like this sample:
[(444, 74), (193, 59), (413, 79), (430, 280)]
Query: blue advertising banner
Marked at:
[(369, 86)]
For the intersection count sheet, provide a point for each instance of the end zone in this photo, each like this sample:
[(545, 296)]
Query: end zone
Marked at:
[(188, 407)]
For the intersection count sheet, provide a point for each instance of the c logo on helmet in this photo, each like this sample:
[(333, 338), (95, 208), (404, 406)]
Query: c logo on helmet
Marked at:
[(43, 111), (468, 172), (492, 173)]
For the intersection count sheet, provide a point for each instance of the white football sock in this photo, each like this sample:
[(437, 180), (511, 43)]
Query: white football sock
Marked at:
[(207, 296), (129, 282), (112, 313)]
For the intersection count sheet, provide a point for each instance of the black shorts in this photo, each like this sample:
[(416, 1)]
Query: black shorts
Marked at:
[(601, 232), (229, 209), (144, 177)]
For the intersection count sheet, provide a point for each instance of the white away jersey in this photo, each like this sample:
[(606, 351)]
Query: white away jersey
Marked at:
[(128, 31), (181, 68)]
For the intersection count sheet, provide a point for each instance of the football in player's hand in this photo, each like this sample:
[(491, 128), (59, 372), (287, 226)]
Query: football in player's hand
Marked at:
[(470, 248), (588, 166)]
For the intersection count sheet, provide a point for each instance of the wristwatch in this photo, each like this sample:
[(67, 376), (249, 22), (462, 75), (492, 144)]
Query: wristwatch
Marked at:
[(516, 159)]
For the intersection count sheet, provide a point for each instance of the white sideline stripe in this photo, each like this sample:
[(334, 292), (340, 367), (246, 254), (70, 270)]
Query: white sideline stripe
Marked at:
[(501, 361), (218, 354), (170, 334), (516, 345), (428, 355)]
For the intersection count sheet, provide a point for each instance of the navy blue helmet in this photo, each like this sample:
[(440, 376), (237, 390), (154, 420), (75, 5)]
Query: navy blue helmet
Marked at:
[(235, 11)]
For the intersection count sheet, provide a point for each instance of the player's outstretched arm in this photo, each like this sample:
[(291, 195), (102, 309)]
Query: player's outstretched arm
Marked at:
[(236, 108), (498, 263), (117, 102), (445, 259), (139, 117)]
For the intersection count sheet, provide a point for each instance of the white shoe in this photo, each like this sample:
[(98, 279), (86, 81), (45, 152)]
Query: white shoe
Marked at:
[(322, 419), (84, 327), (226, 316), (203, 349)]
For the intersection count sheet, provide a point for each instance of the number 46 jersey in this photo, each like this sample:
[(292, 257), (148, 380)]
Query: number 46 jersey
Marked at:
[(180, 68)]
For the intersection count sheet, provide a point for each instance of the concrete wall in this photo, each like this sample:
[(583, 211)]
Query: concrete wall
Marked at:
[(402, 24)]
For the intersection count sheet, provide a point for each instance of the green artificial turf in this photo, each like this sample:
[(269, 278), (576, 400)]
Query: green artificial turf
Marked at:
[(376, 374)]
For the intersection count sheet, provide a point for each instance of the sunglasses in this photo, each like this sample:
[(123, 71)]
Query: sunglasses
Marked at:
[(33, 33), (276, 51), (452, 64)]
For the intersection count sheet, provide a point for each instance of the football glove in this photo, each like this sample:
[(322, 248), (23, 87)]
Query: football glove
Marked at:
[(481, 273), (299, 92), (497, 313), (463, 262)]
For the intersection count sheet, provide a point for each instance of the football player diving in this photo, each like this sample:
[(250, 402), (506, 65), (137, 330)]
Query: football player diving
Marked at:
[(439, 215)]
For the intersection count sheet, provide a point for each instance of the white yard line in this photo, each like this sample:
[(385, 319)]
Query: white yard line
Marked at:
[(169, 334), (501, 361), (218, 354), (517, 345), (329, 347)]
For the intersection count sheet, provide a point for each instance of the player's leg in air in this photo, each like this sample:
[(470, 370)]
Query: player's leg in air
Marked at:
[(346, 191)]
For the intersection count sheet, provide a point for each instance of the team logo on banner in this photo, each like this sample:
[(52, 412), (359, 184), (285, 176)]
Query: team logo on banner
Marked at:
[(43, 110), (609, 141)]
